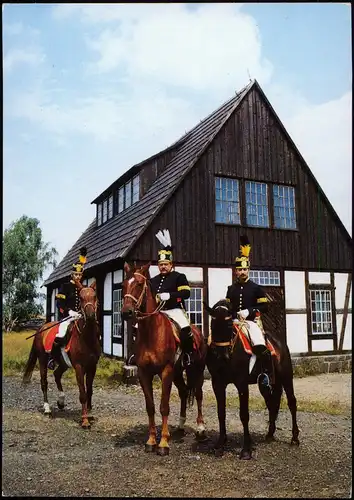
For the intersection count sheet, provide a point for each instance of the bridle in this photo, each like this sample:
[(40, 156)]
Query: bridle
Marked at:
[(82, 309), (138, 301)]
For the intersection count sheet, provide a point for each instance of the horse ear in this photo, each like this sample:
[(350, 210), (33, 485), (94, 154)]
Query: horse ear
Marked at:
[(209, 309), (93, 285), (128, 270)]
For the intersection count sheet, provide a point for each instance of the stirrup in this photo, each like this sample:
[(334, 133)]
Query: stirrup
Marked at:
[(186, 359), (263, 380), (129, 361), (51, 364)]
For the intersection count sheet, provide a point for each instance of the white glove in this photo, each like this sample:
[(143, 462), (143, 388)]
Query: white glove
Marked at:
[(243, 314), (74, 314), (164, 296)]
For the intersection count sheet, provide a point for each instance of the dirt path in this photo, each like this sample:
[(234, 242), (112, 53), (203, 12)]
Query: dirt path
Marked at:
[(55, 457)]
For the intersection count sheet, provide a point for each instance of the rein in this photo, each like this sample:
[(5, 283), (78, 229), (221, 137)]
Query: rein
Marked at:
[(141, 315)]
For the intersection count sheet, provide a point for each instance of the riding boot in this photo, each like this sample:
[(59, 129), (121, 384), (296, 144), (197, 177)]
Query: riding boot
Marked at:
[(264, 355), (187, 346), (55, 352)]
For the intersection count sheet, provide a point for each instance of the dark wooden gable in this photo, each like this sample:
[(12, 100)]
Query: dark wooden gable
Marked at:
[(114, 239), (252, 145)]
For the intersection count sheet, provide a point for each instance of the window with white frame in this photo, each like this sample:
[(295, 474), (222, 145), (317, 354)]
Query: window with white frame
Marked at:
[(194, 307), (266, 278), (105, 210), (257, 204), (284, 207), (117, 330), (227, 200), (128, 194), (321, 311)]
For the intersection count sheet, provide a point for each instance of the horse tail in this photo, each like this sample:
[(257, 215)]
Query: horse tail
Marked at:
[(192, 378), (31, 363)]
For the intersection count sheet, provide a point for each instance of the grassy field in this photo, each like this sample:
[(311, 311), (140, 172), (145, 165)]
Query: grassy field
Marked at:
[(16, 350)]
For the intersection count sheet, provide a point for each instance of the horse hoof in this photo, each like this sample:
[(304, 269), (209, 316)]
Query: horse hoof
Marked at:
[(295, 442), (149, 448), (201, 436), (163, 451), (218, 452), (269, 438), (60, 405), (86, 425), (245, 455)]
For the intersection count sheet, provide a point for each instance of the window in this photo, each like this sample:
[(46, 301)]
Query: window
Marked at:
[(105, 210), (110, 207), (267, 278), (128, 194), (136, 186), (104, 216), (117, 319), (284, 207), (227, 200), (99, 214), (256, 204), (194, 307), (321, 311)]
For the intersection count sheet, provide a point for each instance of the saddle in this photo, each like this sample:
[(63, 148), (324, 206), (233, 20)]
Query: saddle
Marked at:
[(241, 332), (176, 330), (49, 336)]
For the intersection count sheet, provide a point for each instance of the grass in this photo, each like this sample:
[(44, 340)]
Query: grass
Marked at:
[(16, 350)]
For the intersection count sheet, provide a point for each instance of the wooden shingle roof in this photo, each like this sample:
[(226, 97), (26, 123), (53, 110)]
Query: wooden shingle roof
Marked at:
[(115, 238)]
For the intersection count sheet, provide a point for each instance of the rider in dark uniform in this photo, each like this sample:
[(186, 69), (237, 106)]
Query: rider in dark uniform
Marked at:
[(68, 303), (173, 288), (248, 300)]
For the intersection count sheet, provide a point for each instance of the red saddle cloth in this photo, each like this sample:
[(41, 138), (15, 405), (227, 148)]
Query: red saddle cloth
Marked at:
[(49, 336), (247, 345)]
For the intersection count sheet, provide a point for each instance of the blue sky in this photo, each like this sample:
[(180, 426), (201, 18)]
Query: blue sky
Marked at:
[(89, 90)]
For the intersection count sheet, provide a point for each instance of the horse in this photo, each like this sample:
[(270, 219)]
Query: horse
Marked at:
[(84, 353), (228, 362), (157, 353)]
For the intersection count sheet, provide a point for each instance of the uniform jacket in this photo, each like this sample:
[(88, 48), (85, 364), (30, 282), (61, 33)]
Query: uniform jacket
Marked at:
[(67, 298), (249, 296), (176, 285)]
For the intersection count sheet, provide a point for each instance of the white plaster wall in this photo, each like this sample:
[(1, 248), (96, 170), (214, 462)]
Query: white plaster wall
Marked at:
[(154, 271), (193, 274), (118, 276), (340, 282), (296, 333), (107, 292), (107, 332), (90, 281), (320, 278), (322, 345), (219, 279), (117, 350), (295, 290), (52, 305), (347, 344)]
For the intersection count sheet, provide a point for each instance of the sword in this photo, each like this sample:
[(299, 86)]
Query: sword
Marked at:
[(56, 323)]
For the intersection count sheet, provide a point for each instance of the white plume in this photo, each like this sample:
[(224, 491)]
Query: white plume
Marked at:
[(164, 237)]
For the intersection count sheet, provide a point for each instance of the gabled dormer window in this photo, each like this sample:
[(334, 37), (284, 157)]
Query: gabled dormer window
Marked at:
[(105, 210), (128, 194)]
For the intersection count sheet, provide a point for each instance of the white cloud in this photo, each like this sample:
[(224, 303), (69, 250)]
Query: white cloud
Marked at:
[(13, 29), (17, 57)]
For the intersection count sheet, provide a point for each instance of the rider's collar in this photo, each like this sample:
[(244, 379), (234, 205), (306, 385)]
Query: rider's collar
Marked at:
[(243, 281)]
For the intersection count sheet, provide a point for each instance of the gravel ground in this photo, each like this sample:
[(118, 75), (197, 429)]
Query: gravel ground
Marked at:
[(54, 457)]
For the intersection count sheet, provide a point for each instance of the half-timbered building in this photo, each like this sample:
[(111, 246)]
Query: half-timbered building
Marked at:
[(237, 171)]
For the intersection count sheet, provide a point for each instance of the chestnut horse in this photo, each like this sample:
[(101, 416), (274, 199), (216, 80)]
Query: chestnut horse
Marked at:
[(84, 353), (156, 351), (228, 363)]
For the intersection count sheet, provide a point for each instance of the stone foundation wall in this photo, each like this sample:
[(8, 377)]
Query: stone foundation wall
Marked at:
[(314, 365)]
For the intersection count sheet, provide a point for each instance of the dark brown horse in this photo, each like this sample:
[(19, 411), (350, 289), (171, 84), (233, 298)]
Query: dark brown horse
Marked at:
[(228, 363), (84, 353), (156, 351)]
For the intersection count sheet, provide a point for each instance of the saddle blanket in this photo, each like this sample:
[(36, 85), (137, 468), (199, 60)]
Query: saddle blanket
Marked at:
[(247, 345), (49, 336)]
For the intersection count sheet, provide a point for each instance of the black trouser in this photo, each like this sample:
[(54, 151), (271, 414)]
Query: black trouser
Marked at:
[(187, 339), (264, 355), (57, 344)]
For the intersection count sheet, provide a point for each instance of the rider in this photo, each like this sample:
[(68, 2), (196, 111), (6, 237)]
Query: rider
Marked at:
[(68, 303), (173, 288), (248, 300)]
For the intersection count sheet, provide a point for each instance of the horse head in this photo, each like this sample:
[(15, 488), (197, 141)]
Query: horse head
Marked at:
[(220, 311), (88, 301), (134, 290)]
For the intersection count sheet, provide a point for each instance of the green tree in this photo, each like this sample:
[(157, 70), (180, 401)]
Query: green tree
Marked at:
[(25, 258)]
